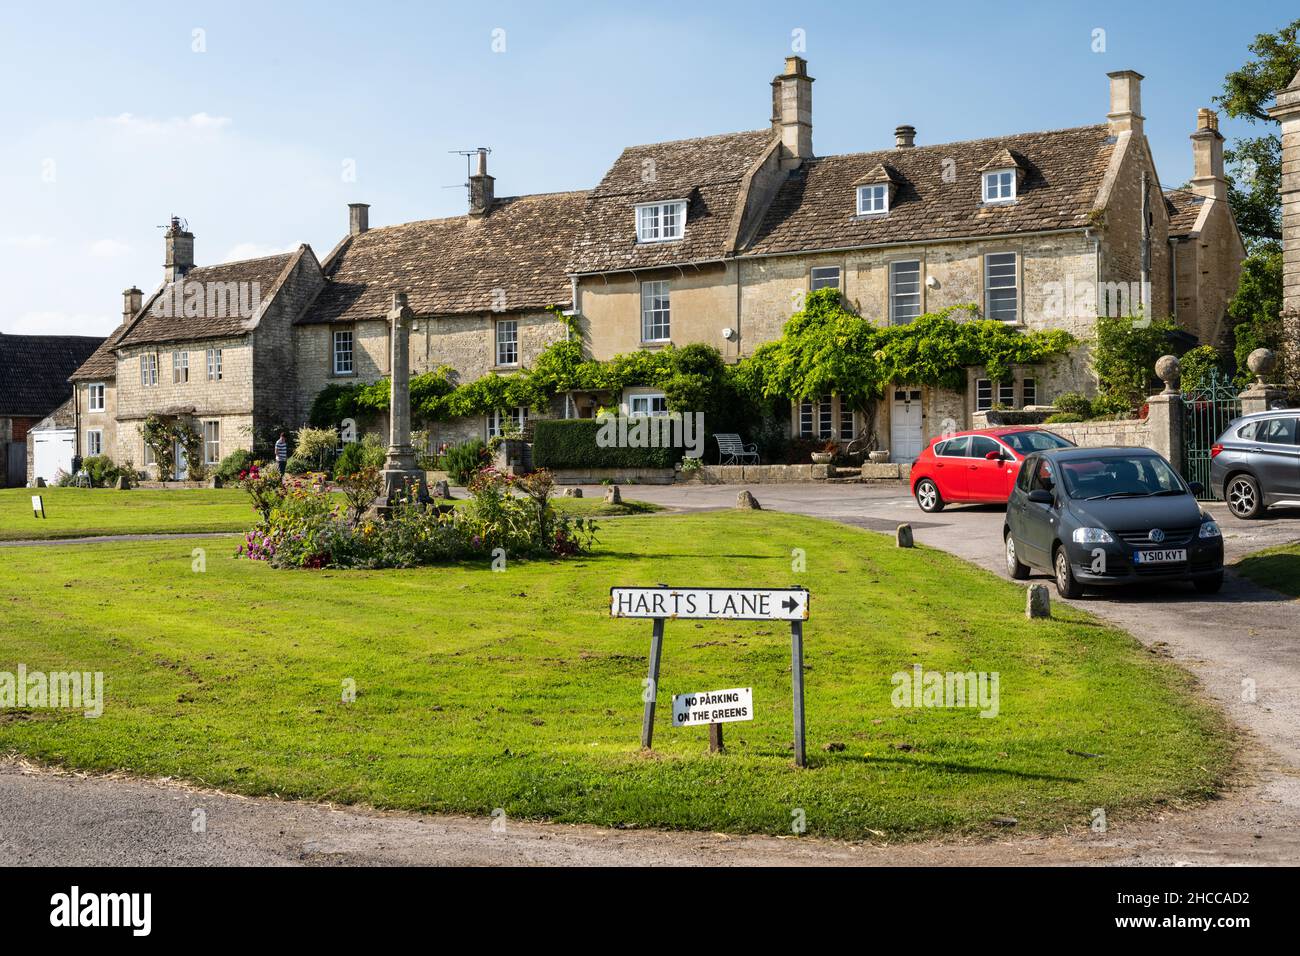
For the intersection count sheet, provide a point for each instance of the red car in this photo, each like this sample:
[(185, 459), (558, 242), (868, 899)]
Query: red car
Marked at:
[(976, 466)]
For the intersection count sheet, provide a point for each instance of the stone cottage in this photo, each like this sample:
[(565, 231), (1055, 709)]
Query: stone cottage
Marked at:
[(213, 345)]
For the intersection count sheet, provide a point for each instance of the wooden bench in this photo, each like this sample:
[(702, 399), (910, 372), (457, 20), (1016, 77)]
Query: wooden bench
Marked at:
[(732, 451)]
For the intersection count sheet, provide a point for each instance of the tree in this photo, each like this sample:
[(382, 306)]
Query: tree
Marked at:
[(1254, 184), (1255, 311)]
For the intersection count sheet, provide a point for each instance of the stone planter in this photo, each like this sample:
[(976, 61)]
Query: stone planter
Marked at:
[(822, 458), (878, 457)]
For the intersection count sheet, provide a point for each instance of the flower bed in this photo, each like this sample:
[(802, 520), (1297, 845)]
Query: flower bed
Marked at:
[(302, 526)]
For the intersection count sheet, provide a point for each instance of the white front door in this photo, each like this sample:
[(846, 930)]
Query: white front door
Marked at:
[(182, 467), (52, 452), (905, 425)]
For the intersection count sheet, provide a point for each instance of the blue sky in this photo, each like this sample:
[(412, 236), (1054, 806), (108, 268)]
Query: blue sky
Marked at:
[(113, 120)]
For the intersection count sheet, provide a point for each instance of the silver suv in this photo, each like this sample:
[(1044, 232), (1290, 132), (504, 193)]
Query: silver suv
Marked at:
[(1256, 462)]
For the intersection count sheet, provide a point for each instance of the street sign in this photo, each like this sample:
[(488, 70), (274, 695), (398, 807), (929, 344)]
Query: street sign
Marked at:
[(713, 707), (38, 507), (730, 604)]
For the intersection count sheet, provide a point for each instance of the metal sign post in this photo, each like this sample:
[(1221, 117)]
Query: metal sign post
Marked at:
[(728, 604)]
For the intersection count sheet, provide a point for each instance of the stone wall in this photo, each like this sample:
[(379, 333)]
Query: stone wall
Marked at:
[(105, 422), (1128, 431), (276, 391)]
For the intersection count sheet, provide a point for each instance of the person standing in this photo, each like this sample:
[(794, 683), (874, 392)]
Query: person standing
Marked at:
[(282, 454)]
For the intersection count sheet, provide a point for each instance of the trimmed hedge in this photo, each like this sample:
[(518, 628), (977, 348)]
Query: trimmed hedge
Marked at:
[(571, 443)]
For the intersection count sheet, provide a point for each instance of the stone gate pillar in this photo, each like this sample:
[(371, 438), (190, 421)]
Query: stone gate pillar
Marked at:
[(1287, 112)]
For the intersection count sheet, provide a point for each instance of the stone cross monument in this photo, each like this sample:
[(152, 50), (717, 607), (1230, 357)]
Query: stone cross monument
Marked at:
[(399, 467)]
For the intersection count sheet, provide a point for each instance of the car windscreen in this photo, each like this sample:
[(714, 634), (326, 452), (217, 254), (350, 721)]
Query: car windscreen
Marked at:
[(1025, 443), (1119, 476)]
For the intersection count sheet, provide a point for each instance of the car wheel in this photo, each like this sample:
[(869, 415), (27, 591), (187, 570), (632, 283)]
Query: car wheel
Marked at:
[(1066, 584), (1209, 585), (1017, 570), (927, 496), (1243, 497)]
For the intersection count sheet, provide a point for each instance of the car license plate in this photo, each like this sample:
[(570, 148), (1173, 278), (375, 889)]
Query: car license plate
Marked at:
[(1167, 556)]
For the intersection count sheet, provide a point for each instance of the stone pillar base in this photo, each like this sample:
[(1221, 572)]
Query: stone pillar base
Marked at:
[(1261, 398)]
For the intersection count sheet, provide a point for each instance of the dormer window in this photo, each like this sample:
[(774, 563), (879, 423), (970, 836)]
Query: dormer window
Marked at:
[(873, 199), (661, 221), (1000, 185)]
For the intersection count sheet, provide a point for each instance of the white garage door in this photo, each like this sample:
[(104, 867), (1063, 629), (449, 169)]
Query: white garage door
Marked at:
[(52, 452)]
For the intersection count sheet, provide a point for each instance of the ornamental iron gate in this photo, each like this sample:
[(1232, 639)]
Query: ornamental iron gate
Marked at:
[(1207, 410)]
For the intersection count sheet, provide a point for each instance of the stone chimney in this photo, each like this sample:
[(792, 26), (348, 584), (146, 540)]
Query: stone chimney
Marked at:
[(132, 301), (481, 187), (180, 250), (358, 218), (1125, 114), (792, 112), (1207, 156), (904, 137)]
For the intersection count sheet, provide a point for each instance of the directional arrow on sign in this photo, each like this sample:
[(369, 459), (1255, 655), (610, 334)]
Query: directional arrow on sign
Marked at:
[(789, 604)]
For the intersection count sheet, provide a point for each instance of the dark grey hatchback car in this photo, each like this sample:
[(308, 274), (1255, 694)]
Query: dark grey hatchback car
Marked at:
[(1107, 516)]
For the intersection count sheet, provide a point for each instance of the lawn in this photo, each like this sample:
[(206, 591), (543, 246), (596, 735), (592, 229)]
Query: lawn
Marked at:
[(86, 512), (477, 690), (1277, 568)]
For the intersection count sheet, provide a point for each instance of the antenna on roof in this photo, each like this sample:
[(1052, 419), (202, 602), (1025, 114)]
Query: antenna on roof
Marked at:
[(175, 222)]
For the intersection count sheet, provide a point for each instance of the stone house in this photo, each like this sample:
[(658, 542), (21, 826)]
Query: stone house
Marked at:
[(480, 286), (717, 239), (34, 372), (213, 345)]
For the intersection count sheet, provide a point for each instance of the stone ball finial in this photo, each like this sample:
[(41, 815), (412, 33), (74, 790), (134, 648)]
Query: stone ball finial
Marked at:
[(1168, 369), (1261, 363)]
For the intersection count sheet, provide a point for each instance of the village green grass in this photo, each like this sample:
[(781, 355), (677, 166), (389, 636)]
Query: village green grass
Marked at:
[(477, 690), (1276, 568), (87, 512)]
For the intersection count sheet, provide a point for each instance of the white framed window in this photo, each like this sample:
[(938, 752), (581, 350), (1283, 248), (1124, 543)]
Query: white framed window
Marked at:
[(846, 421), (507, 335), (149, 369), (1000, 185), (1028, 393), (656, 318), (648, 403), (180, 367), (497, 419), (823, 277), (983, 394), (904, 291), (1001, 297), (94, 442), (873, 199), (817, 418), (214, 365), (661, 221), (343, 352), (95, 397), (212, 443)]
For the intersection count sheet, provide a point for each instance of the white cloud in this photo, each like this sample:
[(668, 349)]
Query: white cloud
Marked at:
[(61, 323), (108, 249), (254, 250), (30, 241), (196, 122)]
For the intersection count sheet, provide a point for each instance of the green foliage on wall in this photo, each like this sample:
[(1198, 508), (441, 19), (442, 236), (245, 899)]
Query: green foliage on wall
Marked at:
[(825, 348)]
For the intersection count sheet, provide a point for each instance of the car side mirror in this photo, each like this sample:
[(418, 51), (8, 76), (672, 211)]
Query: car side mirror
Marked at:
[(994, 456), (1040, 497)]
